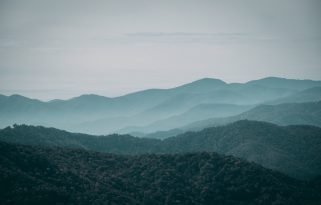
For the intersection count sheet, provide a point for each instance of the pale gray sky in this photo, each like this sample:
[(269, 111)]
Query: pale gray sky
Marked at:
[(63, 48)]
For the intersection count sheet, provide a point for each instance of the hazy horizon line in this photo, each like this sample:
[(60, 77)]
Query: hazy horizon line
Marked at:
[(136, 91)]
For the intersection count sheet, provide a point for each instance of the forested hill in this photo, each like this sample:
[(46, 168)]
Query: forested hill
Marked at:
[(38, 135), (38, 175), (294, 150)]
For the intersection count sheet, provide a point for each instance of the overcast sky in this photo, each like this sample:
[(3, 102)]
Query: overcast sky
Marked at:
[(61, 49)]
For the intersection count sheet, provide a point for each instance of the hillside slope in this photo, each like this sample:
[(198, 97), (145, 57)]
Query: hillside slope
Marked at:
[(294, 150), (308, 95), (199, 112), (282, 114), (34, 175)]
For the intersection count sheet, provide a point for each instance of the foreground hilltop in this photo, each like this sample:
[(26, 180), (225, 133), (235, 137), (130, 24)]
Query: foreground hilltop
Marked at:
[(293, 150), (37, 175)]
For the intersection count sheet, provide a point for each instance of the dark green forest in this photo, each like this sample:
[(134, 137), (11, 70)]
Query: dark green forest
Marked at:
[(293, 150), (38, 175)]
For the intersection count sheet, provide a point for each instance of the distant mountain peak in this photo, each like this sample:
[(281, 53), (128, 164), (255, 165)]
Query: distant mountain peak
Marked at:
[(273, 78), (204, 84), (285, 83), (282, 79), (21, 98), (18, 96), (209, 80), (89, 97)]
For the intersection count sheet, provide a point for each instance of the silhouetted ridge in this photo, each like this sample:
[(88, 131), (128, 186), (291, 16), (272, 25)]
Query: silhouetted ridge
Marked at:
[(88, 97), (202, 85), (276, 82), (205, 82), (142, 111), (282, 114), (308, 95)]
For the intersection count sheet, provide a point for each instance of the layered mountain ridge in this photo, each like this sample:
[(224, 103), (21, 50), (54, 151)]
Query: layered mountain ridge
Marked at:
[(102, 115)]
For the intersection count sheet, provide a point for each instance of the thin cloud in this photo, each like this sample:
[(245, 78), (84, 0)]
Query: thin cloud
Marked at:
[(220, 37), (184, 34), (189, 37)]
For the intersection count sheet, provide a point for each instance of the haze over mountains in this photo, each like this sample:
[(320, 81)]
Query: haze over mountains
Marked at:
[(166, 102), (281, 114), (157, 109), (201, 143)]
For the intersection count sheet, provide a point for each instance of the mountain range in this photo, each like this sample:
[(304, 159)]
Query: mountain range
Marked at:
[(282, 114), (205, 142), (158, 109)]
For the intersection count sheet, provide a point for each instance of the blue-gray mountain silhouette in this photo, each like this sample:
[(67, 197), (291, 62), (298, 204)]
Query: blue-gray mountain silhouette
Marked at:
[(103, 115)]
